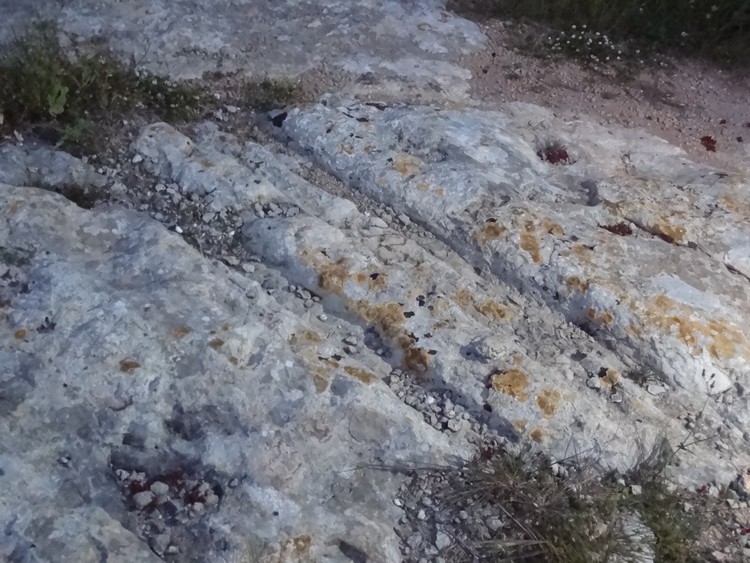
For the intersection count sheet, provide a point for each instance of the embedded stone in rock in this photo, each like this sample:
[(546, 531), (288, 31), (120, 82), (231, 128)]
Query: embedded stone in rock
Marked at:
[(673, 295), (132, 366)]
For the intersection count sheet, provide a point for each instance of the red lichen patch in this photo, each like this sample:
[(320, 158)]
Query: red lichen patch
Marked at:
[(575, 283), (554, 153), (333, 275), (673, 234), (362, 375), (548, 402), (129, 366), (529, 242), (181, 331), (609, 378), (513, 382), (406, 165), (216, 343), (20, 334), (619, 229), (709, 143), (537, 434), (492, 230)]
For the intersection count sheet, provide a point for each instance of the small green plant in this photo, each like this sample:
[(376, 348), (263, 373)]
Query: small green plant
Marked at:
[(73, 92), (269, 94)]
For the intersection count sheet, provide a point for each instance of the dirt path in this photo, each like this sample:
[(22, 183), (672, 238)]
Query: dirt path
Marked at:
[(681, 102)]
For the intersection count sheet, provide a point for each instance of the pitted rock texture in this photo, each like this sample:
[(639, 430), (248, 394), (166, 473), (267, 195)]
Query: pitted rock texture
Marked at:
[(625, 236), (395, 45), (430, 314), (126, 351), (225, 350)]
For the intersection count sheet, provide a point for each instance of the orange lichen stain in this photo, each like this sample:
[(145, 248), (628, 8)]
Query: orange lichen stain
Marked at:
[(463, 298), (362, 375), (490, 231), (415, 359), (20, 334), (181, 331), (333, 275), (346, 149), (519, 425), (129, 366), (577, 284), (320, 381), (440, 192), (216, 343), (548, 402), (719, 337), (295, 548), (552, 228), (381, 181), (671, 233), (633, 330), (605, 318), (375, 281), (529, 243), (513, 382), (306, 336), (15, 205), (406, 165), (490, 309), (537, 434), (730, 204), (367, 149), (583, 253), (423, 186), (493, 310), (388, 318), (610, 379)]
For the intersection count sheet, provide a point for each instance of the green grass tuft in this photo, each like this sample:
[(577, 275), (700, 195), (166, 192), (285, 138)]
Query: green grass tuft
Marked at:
[(70, 92)]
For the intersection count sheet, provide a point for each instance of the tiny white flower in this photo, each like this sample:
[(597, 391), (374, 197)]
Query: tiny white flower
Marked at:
[(572, 27)]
